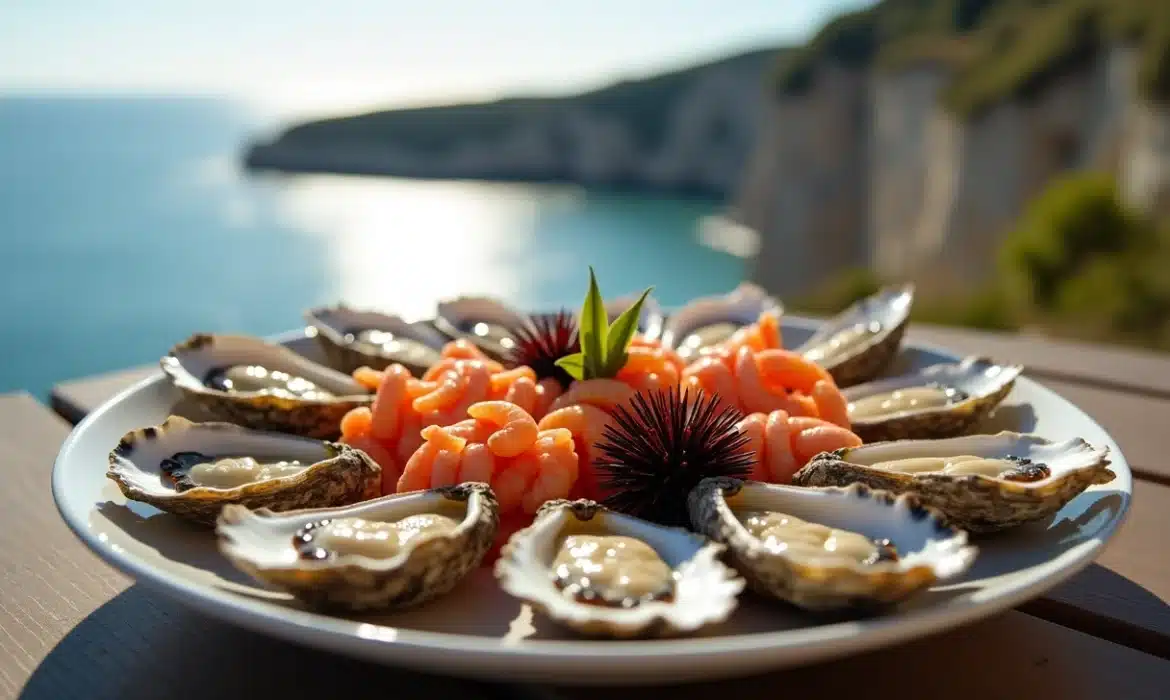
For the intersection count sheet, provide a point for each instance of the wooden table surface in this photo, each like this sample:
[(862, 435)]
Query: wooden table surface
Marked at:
[(71, 627)]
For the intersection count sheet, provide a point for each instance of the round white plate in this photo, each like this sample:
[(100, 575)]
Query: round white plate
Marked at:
[(477, 631)]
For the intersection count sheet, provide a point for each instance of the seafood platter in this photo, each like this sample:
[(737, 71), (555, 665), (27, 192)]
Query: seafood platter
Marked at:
[(707, 491)]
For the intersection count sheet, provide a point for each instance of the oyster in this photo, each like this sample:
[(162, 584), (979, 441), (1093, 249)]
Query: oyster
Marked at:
[(939, 401), (710, 320), (351, 338), (650, 318), (391, 552), (981, 483), (260, 385), (608, 574), (857, 344), (484, 321), (825, 549), (194, 469)]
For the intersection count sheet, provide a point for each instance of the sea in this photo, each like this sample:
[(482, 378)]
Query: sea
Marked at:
[(127, 224)]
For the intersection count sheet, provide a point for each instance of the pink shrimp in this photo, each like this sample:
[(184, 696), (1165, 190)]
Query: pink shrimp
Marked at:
[(502, 381), (781, 462), (384, 423), (606, 394), (753, 395), (753, 427), (517, 430), (557, 469), (547, 391), (788, 442), (587, 425), (382, 456), (449, 390), (831, 403), (713, 376), (476, 387), (784, 368), (513, 480), (522, 393), (368, 377), (479, 464)]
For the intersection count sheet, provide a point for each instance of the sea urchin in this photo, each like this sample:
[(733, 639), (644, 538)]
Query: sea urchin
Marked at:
[(542, 341), (662, 445)]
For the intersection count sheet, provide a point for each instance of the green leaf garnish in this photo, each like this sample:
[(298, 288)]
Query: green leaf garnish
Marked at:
[(573, 364), (603, 346), (594, 327), (620, 334)]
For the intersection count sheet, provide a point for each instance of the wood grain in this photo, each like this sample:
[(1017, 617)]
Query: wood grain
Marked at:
[(70, 627), (1010, 656)]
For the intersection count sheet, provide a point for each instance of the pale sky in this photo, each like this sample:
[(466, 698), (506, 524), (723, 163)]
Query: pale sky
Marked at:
[(298, 59)]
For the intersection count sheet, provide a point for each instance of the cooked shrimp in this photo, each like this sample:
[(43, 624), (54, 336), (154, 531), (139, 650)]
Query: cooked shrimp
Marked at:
[(547, 391), (831, 403), (784, 368), (753, 395), (517, 430), (714, 377), (513, 480), (557, 463), (826, 437), (753, 427), (368, 377), (502, 381), (478, 464), (522, 393), (769, 325), (356, 423), (780, 461), (606, 394), (385, 411), (476, 386), (445, 396)]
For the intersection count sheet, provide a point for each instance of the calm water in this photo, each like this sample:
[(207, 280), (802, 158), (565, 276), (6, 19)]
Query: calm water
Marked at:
[(126, 225)]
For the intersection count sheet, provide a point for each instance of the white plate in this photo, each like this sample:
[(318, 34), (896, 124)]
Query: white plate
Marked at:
[(477, 631)]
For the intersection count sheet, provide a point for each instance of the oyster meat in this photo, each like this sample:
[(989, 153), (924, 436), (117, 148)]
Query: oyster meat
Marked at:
[(351, 338), (827, 549), (260, 385), (195, 469), (603, 573), (392, 552), (939, 401), (711, 320), (981, 483), (859, 343), (487, 322)]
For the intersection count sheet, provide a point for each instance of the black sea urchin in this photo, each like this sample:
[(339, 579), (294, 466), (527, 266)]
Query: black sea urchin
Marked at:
[(545, 339), (661, 446)]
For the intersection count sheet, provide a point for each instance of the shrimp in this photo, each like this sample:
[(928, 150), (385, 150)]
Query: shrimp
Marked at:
[(783, 443), (502, 381), (587, 425), (753, 427), (606, 394), (547, 391), (831, 403), (557, 462), (522, 393), (385, 411), (382, 456), (782, 464), (514, 479), (753, 395), (448, 392), (356, 423), (784, 368), (479, 464), (368, 377), (517, 430), (438, 456), (713, 376), (476, 386), (824, 437), (769, 325)]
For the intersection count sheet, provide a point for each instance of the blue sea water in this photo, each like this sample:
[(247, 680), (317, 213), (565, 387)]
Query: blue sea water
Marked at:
[(127, 224)]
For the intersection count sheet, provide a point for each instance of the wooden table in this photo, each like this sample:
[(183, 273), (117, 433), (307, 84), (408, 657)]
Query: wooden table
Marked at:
[(72, 627)]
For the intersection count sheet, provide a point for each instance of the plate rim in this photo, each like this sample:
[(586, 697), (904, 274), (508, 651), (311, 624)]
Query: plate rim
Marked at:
[(388, 644)]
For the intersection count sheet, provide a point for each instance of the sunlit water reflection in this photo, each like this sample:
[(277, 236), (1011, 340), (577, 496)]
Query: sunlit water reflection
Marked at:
[(128, 226)]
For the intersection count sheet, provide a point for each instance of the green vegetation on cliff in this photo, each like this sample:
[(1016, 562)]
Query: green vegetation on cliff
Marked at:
[(997, 49), (1078, 264)]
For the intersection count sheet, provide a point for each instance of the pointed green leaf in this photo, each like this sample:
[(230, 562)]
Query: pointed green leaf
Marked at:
[(621, 333), (593, 330), (573, 364)]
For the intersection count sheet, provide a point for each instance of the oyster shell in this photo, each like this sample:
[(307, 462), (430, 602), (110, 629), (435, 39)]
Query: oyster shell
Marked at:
[(650, 318), (484, 321), (160, 465), (264, 386), (939, 401), (438, 537), (857, 344), (884, 548), (685, 589), (353, 338), (710, 320), (1014, 478)]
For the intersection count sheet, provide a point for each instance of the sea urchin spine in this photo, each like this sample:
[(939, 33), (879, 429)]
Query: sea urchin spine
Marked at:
[(661, 445), (542, 341)]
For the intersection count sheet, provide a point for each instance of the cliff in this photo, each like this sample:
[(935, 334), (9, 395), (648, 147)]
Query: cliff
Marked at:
[(914, 156), (689, 130)]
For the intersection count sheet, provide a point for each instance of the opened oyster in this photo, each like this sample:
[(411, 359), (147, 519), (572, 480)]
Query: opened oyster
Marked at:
[(194, 469), (825, 549), (650, 317), (260, 385), (981, 483), (939, 401), (607, 574), (710, 320), (391, 552), (860, 342), (487, 322), (351, 338)]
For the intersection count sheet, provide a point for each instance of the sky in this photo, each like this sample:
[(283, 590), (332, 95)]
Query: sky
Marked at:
[(291, 58)]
